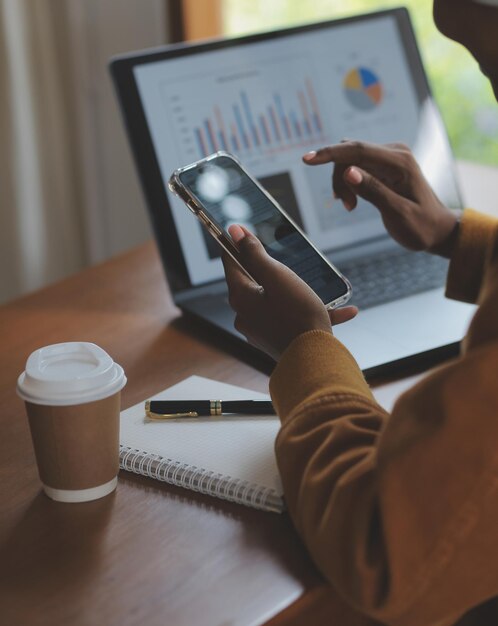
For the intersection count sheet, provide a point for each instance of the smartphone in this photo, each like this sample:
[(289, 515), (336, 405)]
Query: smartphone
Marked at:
[(220, 192)]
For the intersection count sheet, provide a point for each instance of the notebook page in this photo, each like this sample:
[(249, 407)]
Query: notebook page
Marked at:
[(240, 447)]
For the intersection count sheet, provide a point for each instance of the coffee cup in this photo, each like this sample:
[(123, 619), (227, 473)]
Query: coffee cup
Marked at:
[(72, 393)]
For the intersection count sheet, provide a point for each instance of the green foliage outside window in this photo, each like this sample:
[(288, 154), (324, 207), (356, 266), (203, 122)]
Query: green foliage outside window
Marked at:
[(463, 94)]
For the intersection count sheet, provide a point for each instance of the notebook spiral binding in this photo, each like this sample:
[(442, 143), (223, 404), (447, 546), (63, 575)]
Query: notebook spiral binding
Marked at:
[(201, 480)]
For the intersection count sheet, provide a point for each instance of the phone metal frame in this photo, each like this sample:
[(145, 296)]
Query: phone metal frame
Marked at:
[(220, 235)]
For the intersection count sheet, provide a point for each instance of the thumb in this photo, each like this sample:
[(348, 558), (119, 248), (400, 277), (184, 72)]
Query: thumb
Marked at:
[(252, 254), (373, 190), (339, 316)]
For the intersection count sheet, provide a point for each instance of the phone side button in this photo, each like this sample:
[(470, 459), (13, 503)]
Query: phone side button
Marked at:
[(191, 206), (210, 226), (204, 218)]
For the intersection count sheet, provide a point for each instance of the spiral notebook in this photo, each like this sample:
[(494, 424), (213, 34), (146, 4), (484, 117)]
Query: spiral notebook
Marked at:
[(228, 457)]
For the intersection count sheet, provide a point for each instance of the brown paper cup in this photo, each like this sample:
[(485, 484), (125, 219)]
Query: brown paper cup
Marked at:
[(72, 393), (77, 448)]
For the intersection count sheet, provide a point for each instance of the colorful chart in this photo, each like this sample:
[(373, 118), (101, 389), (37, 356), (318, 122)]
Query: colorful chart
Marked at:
[(276, 121), (363, 89)]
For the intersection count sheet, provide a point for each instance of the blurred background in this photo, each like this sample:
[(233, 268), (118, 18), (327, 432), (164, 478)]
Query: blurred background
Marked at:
[(68, 190)]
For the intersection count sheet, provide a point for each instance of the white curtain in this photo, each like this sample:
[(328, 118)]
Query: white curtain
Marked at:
[(67, 185)]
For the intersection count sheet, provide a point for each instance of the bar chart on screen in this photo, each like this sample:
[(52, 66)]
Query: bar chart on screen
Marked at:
[(278, 123), (248, 112)]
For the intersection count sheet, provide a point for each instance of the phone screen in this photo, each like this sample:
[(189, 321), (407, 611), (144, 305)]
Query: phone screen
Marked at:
[(230, 196)]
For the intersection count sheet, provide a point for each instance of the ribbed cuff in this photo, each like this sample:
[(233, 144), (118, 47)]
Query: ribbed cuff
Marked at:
[(472, 250), (315, 363)]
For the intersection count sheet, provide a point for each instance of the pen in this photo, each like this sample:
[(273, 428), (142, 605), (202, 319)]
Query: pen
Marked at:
[(171, 409)]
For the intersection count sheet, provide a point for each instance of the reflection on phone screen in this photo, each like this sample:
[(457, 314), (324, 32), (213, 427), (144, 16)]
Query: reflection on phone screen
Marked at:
[(231, 197)]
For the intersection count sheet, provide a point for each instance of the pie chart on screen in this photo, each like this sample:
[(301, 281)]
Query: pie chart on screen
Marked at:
[(363, 89)]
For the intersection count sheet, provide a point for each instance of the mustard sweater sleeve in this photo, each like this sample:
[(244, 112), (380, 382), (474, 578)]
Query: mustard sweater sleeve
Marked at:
[(399, 512), (476, 235)]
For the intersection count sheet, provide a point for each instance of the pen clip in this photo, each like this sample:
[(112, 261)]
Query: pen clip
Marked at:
[(166, 416), (169, 416)]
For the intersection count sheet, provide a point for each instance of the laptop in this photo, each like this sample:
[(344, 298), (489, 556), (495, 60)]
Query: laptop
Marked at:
[(269, 98)]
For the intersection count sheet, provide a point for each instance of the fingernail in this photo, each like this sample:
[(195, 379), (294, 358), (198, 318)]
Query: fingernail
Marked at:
[(354, 176), (236, 233), (347, 206), (310, 155)]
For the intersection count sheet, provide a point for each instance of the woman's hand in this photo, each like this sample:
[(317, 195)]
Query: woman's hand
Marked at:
[(281, 306), (389, 177)]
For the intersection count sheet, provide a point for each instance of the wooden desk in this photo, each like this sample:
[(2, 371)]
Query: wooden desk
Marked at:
[(150, 554)]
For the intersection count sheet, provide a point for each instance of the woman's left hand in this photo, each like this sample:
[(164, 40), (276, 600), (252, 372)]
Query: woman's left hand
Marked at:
[(272, 313)]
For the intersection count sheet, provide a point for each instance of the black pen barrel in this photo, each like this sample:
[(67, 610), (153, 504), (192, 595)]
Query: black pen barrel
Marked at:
[(248, 407), (173, 407), (211, 407)]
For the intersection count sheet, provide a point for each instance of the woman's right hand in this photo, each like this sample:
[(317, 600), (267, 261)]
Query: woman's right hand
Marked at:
[(389, 177)]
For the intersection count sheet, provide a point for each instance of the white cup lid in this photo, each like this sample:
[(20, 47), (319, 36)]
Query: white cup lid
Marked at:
[(70, 373)]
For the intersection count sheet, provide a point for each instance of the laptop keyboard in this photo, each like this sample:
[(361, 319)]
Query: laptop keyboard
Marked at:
[(393, 275)]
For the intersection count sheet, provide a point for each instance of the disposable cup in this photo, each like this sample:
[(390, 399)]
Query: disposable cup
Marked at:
[(72, 393)]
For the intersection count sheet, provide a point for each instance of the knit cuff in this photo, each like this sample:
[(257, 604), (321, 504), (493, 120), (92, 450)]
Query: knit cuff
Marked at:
[(472, 250), (315, 363)]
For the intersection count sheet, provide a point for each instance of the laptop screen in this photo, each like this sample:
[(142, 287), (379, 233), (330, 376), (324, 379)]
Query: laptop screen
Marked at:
[(270, 100)]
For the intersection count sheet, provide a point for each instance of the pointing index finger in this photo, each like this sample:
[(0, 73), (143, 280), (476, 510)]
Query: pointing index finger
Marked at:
[(353, 153)]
